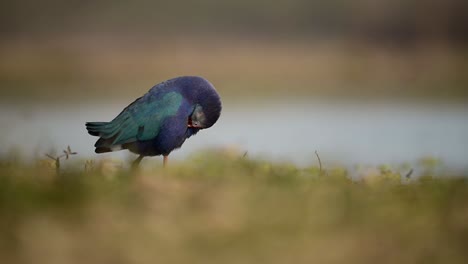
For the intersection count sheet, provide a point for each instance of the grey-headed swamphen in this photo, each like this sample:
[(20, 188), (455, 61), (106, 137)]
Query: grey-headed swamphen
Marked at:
[(161, 120)]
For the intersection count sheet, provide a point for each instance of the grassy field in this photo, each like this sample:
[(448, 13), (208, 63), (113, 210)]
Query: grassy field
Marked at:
[(221, 209)]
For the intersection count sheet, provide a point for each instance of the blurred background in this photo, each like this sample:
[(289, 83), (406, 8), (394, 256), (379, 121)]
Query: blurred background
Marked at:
[(361, 82)]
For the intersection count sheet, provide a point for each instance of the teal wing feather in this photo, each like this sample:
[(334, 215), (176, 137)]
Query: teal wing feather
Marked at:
[(142, 119)]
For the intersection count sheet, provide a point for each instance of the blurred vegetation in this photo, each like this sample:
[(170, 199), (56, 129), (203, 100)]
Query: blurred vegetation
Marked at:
[(220, 208), (81, 67), (56, 50)]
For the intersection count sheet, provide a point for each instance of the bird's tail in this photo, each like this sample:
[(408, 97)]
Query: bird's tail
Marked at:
[(107, 131), (96, 128)]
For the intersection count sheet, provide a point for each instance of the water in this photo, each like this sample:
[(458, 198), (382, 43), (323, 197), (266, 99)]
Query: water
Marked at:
[(344, 132)]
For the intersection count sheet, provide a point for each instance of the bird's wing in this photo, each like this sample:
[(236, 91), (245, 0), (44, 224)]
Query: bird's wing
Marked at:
[(143, 119)]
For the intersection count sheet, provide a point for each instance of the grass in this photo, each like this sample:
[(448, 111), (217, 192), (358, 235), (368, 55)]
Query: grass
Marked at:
[(220, 209)]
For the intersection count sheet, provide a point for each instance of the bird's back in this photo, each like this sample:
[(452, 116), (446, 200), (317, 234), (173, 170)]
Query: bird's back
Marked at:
[(141, 121)]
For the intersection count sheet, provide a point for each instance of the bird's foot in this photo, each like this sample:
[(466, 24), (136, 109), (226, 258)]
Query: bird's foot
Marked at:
[(136, 163)]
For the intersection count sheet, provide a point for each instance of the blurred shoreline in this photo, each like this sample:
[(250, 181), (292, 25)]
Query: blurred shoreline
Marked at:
[(77, 67)]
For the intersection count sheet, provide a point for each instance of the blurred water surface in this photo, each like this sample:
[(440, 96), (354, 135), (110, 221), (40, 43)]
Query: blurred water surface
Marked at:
[(342, 132)]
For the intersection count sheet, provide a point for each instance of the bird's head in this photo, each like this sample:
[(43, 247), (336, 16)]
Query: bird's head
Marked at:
[(198, 118), (204, 117), (207, 105)]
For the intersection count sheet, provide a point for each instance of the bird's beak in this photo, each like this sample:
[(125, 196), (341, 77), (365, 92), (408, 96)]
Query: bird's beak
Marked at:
[(189, 122), (192, 126)]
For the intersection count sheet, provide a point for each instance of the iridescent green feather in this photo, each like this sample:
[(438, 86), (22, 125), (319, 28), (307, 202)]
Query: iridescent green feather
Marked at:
[(143, 119)]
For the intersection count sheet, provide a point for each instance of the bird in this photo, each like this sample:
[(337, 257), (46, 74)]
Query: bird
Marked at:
[(161, 120)]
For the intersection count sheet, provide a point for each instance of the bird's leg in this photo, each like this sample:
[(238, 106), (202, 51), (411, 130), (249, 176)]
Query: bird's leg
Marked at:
[(165, 160), (136, 163)]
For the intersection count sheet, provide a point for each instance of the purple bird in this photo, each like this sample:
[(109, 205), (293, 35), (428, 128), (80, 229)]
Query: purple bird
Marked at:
[(161, 120)]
